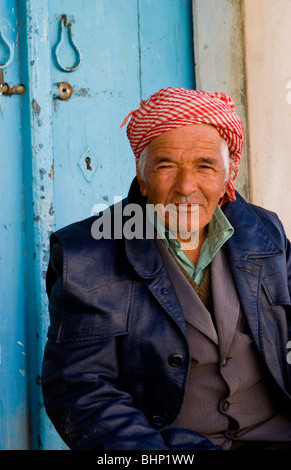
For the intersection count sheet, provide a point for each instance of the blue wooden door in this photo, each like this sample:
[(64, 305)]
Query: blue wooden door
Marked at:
[(13, 365), (60, 157)]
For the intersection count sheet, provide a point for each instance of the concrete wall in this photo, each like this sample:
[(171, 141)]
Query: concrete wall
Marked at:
[(219, 59), (267, 31), (242, 48)]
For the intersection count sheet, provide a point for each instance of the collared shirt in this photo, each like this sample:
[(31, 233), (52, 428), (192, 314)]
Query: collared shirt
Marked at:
[(219, 231)]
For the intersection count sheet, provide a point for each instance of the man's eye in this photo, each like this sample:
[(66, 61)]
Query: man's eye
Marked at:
[(207, 167), (165, 166)]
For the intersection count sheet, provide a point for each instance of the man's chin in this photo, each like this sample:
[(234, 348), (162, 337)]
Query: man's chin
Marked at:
[(189, 241)]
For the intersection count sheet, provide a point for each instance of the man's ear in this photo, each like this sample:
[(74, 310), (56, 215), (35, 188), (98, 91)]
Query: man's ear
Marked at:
[(226, 182), (142, 184)]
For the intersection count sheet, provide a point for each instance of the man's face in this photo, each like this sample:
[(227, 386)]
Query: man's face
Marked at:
[(186, 163)]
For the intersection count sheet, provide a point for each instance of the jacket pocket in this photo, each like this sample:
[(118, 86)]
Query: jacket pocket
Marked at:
[(274, 319), (100, 313)]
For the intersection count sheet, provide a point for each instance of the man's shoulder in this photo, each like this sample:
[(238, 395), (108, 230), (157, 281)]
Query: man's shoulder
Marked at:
[(82, 231), (74, 233), (255, 226), (241, 209), (78, 240)]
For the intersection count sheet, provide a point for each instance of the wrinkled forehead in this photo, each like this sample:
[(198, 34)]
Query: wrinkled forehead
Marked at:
[(190, 137)]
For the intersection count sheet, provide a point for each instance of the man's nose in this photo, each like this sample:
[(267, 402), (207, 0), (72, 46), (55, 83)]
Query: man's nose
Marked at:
[(186, 182)]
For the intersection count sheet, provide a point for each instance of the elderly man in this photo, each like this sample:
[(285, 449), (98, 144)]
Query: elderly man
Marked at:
[(158, 343)]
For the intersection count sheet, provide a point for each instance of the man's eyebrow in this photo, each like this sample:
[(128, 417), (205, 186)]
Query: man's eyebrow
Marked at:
[(209, 160), (167, 159), (163, 159)]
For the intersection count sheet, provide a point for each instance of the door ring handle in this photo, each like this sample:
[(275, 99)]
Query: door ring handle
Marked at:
[(9, 48), (64, 23)]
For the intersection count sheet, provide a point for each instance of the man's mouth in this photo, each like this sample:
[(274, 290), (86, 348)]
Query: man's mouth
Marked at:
[(182, 206)]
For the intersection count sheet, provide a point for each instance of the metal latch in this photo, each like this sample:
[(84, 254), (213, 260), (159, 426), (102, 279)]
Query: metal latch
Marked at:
[(6, 90)]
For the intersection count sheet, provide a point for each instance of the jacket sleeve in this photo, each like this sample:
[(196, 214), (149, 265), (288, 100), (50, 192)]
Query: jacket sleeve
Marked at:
[(288, 257), (81, 392)]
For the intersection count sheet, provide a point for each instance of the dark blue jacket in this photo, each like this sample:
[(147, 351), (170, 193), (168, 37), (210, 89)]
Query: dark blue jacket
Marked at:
[(117, 358)]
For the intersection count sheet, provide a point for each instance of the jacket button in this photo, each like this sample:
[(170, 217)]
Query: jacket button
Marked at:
[(224, 405), (176, 360), (164, 290), (158, 420)]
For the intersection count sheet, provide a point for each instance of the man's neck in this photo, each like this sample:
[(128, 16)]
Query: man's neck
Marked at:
[(193, 254)]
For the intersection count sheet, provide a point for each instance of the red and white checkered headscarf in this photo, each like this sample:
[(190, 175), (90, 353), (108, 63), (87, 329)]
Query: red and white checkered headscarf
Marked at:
[(175, 107)]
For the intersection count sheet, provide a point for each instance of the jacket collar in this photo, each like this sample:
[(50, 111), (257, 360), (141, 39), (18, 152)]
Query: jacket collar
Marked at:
[(142, 252), (252, 236)]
